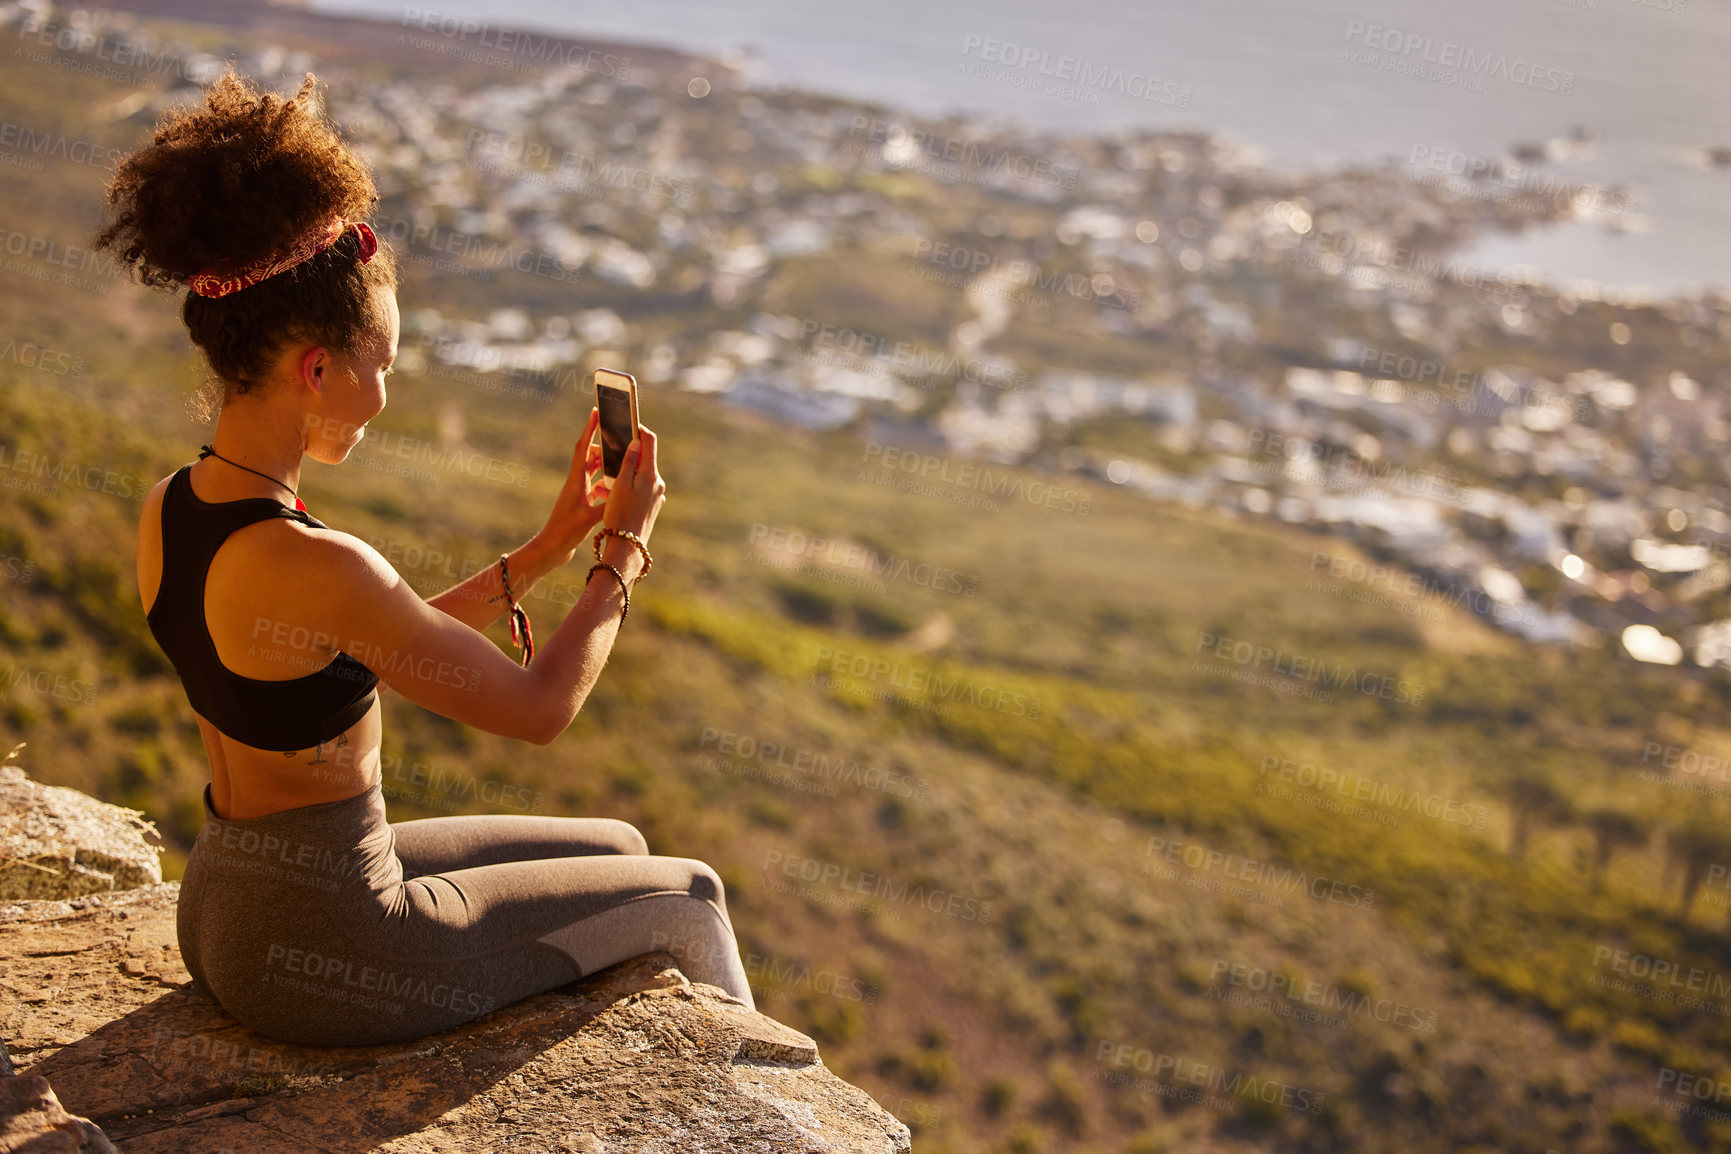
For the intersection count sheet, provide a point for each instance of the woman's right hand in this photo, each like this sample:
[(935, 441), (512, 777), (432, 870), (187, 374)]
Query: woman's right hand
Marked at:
[(637, 494)]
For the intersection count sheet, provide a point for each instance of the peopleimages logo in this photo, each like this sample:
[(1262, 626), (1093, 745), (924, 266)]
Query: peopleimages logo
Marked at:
[(1693, 1085), (50, 473), (1073, 70), (341, 979), (969, 264), (1512, 183), (1302, 669), (48, 251), (930, 684), (1333, 999), (797, 976), (513, 42), (57, 146), (968, 475), (1291, 455), (1428, 268), (47, 683), (1449, 55), (1690, 761), (127, 54), (796, 543), (804, 761), (962, 154), (836, 876), (466, 249), (904, 357), (1164, 1068), (1410, 585), (1271, 875), (209, 1056), (1662, 972), (30, 355), (1355, 787), (522, 158), (456, 458)]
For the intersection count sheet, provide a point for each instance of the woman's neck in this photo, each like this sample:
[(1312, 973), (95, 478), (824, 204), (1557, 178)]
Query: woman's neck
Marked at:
[(257, 436)]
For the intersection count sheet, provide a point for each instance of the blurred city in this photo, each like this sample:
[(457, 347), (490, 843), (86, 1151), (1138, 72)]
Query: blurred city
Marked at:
[(1362, 604), (1327, 359)]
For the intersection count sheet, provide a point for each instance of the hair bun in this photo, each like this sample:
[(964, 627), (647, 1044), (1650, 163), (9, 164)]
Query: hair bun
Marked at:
[(236, 180), (244, 179)]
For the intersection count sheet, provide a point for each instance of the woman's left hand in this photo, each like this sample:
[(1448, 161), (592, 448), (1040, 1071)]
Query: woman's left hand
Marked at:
[(573, 515)]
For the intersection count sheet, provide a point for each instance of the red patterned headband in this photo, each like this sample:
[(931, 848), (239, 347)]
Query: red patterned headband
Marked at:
[(215, 284)]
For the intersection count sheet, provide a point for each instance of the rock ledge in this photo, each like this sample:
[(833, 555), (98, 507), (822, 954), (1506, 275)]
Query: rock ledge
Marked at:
[(58, 843), (633, 1059)]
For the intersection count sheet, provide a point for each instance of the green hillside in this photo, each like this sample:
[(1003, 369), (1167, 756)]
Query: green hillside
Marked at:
[(1104, 872)]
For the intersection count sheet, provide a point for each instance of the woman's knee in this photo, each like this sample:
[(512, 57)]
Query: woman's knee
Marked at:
[(624, 837), (705, 883)]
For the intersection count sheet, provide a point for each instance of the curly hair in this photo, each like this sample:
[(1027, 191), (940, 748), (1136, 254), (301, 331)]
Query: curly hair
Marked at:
[(238, 180)]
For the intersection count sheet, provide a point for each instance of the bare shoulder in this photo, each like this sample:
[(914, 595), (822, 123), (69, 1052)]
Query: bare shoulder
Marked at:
[(281, 578), (289, 554), (150, 543), (150, 513)]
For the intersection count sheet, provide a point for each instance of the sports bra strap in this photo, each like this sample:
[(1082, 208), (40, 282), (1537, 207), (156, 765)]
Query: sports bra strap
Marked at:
[(299, 506)]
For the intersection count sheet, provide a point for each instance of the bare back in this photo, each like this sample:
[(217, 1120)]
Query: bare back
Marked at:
[(245, 587), (279, 594)]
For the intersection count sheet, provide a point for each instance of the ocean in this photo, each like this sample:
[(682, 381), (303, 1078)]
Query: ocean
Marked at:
[(1638, 86)]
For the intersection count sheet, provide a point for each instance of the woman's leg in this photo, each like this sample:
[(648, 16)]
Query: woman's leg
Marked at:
[(306, 930), (435, 844), (442, 949), (674, 922), (594, 910)]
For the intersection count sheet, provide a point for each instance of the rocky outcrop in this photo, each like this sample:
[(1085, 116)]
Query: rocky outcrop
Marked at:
[(32, 1121), (632, 1059), (96, 1007), (57, 843)]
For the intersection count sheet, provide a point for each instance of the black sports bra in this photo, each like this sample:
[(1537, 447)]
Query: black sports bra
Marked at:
[(292, 714)]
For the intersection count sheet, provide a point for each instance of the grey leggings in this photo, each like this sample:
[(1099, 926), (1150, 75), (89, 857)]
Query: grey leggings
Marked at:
[(328, 925)]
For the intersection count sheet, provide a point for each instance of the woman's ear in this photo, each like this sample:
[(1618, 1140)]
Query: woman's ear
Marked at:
[(313, 366)]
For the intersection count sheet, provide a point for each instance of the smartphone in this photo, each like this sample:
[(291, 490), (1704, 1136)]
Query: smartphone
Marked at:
[(616, 399)]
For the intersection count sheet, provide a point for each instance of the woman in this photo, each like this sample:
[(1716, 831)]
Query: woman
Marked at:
[(306, 914)]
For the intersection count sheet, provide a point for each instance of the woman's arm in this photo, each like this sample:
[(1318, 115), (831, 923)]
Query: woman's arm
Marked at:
[(445, 665), (341, 594), (479, 601)]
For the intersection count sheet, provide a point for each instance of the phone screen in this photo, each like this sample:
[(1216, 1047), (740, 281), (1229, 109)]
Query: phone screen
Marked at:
[(615, 406), (613, 399)]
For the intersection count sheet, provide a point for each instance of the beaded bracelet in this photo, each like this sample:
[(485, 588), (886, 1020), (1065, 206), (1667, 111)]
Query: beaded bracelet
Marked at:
[(627, 535), (624, 588)]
